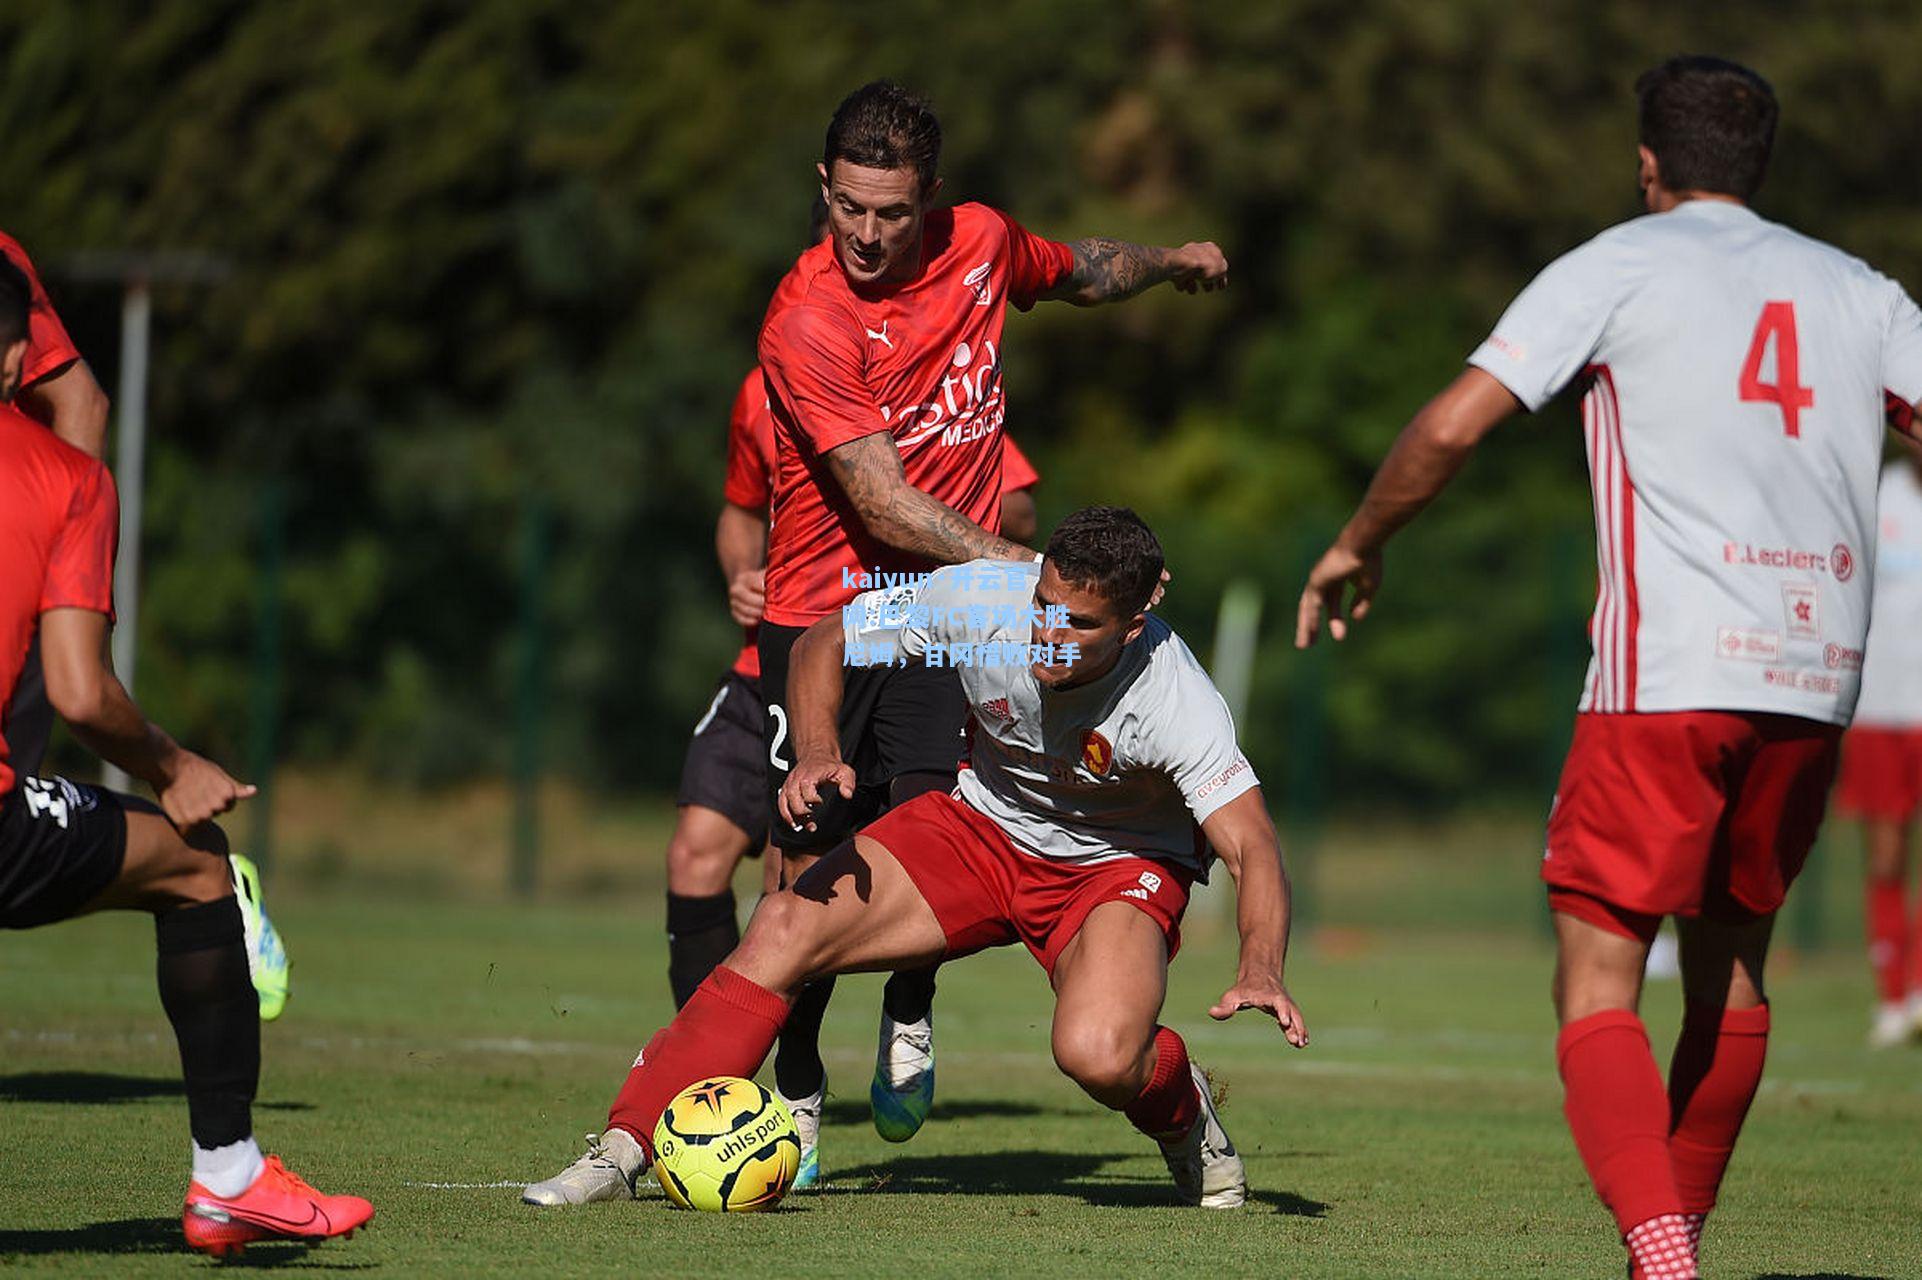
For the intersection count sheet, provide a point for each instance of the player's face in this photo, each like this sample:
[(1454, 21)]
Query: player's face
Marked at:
[(874, 218), (1094, 622)]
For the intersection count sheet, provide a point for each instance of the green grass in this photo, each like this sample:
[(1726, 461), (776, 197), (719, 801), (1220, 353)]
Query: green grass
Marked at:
[(474, 1043)]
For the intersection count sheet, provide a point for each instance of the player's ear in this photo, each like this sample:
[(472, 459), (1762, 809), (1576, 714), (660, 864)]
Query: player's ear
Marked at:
[(11, 362), (1648, 171), (822, 170), (1135, 624), (929, 192)]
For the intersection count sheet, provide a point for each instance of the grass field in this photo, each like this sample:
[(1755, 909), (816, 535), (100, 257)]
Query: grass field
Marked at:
[(435, 1049)]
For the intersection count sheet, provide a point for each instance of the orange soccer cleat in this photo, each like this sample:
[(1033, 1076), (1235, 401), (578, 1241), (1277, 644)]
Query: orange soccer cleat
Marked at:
[(276, 1206)]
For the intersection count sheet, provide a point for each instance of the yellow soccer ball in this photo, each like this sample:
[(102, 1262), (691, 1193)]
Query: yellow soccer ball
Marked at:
[(726, 1145)]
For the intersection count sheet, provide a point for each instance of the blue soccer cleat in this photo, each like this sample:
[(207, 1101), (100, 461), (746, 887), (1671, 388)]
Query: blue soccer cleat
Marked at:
[(807, 1120), (903, 1090)]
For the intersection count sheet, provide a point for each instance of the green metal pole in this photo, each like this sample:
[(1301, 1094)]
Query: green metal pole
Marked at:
[(263, 719), (529, 694)]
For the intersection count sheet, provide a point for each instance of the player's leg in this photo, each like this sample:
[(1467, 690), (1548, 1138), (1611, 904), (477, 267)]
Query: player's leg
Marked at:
[(1886, 922), (701, 926), (237, 1195), (1718, 1059), (856, 909), (1109, 984)]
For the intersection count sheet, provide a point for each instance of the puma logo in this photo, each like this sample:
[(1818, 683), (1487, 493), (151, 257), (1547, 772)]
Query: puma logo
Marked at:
[(882, 337)]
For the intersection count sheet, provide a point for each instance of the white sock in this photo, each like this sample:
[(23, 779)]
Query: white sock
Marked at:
[(229, 1170)]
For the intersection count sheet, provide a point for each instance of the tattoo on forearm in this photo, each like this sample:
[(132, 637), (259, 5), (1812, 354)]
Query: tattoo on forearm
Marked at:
[(1106, 270), (870, 473)]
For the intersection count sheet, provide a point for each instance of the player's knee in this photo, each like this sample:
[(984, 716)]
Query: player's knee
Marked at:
[(1105, 1060), (785, 936), (698, 868)]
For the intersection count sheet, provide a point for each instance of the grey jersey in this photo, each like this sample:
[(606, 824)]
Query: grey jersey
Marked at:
[(1127, 765)]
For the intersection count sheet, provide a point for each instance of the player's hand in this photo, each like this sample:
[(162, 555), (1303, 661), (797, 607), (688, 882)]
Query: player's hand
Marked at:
[(196, 790), (1338, 572), (801, 793), (1267, 994), (1198, 266), (747, 596)]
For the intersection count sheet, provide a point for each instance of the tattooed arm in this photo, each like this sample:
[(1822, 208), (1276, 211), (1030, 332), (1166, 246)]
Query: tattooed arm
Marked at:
[(1109, 270), (870, 473)]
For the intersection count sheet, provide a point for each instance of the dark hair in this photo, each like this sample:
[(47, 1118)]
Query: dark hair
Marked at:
[(16, 302), (1109, 551), (817, 221), (1710, 123), (883, 126)]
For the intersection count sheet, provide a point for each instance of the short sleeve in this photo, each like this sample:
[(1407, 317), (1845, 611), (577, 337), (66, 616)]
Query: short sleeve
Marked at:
[(901, 622), (817, 369), (80, 566), (1549, 332), (49, 349), (1017, 472), (750, 431), (1035, 264), (1197, 749), (1902, 361)]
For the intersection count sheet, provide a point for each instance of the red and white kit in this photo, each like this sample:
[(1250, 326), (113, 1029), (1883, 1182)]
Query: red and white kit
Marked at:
[(1882, 755), (49, 349), (920, 360), (1739, 378)]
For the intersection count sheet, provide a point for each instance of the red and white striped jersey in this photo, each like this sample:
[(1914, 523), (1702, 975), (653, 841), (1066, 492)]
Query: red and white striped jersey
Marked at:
[(1738, 375)]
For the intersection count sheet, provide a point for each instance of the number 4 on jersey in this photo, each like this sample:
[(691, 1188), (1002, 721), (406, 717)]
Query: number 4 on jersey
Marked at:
[(1787, 392)]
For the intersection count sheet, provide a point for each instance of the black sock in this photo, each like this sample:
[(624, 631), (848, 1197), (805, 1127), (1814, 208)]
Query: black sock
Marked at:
[(700, 933), (210, 1000), (909, 994), (798, 1069)]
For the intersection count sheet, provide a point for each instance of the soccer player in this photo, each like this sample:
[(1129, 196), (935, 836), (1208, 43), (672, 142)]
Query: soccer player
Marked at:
[(1735, 378), (882, 354), (1881, 780), (67, 849), (1102, 767)]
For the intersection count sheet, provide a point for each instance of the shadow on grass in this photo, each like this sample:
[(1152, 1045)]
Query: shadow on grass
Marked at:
[(858, 1111), (98, 1088), (1024, 1173), (157, 1236)]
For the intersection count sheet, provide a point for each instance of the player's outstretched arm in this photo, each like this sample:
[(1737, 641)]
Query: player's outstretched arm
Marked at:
[(814, 686), (1107, 270), (740, 544), (1425, 457), (1243, 835), (73, 402), (869, 471), (93, 702)]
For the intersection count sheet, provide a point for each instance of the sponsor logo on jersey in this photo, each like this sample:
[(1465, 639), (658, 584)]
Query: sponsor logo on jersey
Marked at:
[(978, 281), (967, 404), (1097, 753), (1222, 779), (997, 709), (1513, 350), (1799, 611), (882, 336), (1783, 558), (1806, 681), (1842, 560), (1747, 645), (1135, 893), (1841, 657)]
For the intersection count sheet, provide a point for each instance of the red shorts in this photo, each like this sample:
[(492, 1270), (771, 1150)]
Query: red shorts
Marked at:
[(1881, 773), (1685, 813), (987, 892)]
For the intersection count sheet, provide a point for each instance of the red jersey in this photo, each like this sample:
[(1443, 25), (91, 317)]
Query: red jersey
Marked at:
[(920, 360), (49, 349), (750, 479), (59, 523), (1017, 473)]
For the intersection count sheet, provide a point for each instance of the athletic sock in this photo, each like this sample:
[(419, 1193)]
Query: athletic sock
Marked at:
[(798, 1069), (227, 1171), (726, 1029), (1168, 1104), (1660, 1249), (204, 987), (1711, 1082), (1617, 1111), (701, 931), (909, 996), (1886, 915)]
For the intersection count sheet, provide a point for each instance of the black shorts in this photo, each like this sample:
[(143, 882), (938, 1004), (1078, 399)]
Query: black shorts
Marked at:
[(27, 720), (894, 721), (726, 765), (61, 843)]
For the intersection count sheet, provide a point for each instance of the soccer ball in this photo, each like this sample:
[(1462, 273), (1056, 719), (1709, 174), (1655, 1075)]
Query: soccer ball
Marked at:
[(726, 1145)]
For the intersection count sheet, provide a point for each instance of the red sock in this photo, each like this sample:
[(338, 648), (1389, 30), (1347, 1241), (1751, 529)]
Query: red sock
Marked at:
[(1618, 1111), (725, 1029), (1711, 1081), (1888, 928), (1168, 1103)]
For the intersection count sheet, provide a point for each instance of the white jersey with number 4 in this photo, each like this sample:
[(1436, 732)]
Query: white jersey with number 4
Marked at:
[(1739, 377), (1892, 669)]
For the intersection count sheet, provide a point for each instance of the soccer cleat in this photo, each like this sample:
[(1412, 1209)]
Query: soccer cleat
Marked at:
[(613, 1163), (1206, 1168), (903, 1090), (266, 957), (807, 1119), (277, 1205), (1893, 1026)]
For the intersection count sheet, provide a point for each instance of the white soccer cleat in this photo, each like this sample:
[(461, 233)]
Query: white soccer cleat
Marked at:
[(1206, 1168), (902, 1092), (807, 1120), (1893, 1026), (614, 1161)]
